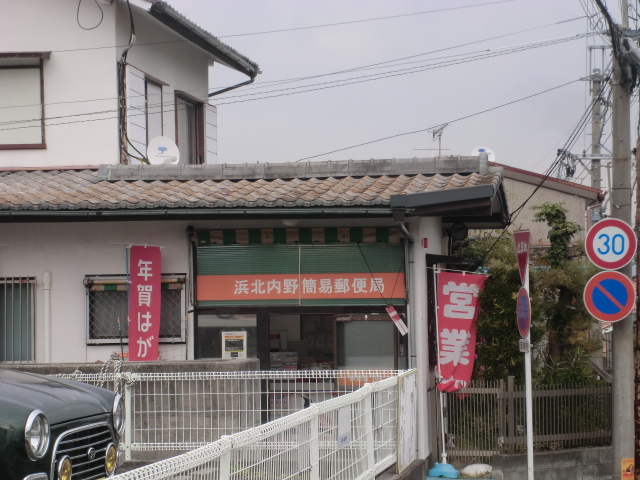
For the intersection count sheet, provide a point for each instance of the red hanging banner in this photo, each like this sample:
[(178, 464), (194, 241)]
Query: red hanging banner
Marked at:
[(144, 302), (457, 313)]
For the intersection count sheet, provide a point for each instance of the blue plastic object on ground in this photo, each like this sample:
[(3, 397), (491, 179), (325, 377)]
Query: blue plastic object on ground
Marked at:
[(443, 470)]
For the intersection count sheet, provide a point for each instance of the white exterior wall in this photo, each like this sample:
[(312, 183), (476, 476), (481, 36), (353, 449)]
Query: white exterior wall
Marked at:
[(72, 250), (69, 76), (169, 59), (80, 77)]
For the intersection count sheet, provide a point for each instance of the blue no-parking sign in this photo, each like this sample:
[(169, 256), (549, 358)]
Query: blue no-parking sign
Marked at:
[(609, 296)]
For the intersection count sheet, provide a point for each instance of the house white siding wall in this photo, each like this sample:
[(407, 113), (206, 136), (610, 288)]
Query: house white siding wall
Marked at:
[(72, 250), (81, 68), (80, 77)]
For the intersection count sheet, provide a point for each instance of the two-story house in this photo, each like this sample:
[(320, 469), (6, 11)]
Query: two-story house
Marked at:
[(92, 83)]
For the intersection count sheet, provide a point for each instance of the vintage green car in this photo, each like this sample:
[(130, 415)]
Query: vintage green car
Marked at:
[(51, 429)]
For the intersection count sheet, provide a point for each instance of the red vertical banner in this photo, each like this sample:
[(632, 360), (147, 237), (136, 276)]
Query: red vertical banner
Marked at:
[(457, 313), (145, 271), (522, 239)]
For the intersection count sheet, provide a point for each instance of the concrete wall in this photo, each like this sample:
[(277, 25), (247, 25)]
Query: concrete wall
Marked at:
[(80, 77), (578, 464), (517, 192)]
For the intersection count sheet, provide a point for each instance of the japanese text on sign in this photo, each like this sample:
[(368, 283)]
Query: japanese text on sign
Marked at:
[(303, 286), (144, 303), (457, 312)]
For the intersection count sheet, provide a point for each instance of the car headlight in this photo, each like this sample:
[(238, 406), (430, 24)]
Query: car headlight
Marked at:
[(36, 435), (118, 415)]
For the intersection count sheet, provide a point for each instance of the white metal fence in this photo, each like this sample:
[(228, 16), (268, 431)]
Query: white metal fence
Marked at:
[(306, 445), (187, 410)]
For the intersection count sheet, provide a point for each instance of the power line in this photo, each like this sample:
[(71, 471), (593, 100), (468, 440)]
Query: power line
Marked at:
[(365, 20), (345, 82), (436, 126), (69, 50), (470, 57), (257, 84)]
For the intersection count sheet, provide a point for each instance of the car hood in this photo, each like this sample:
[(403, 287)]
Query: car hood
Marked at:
[(60, 400)]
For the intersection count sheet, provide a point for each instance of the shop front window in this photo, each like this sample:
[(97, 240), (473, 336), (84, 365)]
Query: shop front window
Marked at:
[(232, 336)]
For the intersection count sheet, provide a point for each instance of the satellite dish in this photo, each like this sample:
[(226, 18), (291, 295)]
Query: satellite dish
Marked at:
[(163, 151), (478, 150)]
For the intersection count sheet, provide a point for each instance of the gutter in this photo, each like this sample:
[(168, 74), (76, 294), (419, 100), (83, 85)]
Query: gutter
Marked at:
[(80, 215)]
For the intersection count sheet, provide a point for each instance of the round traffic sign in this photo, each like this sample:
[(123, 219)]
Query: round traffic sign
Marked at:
[(523, 308), (609, 296), (611, 244)]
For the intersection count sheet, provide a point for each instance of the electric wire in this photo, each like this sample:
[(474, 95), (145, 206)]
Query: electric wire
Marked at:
[(78, 16), (462, 7), (346, 82), (365, 67), (441, 124), (475, 42)]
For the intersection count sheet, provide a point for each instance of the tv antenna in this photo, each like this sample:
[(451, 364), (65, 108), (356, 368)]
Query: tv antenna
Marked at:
[(437, 133)]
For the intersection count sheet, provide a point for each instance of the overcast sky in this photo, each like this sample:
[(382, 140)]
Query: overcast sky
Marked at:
[(288, 128)]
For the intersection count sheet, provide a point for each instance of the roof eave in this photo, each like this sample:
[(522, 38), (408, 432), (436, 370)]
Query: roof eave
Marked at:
[(220, 52)]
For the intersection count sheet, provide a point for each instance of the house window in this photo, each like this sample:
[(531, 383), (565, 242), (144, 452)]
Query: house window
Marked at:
[(144, 111), (153, 98), (189, 130), (17, 319), (21, 101), (107, 301)]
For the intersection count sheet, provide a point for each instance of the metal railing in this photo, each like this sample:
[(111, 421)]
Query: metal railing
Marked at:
[(187, 410), (309, 444), (489, 418)]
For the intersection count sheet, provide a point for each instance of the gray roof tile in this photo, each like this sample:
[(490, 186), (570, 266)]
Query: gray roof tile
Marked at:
[(89, 189)]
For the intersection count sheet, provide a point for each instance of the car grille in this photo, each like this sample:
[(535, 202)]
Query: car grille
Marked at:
[(76, 444)]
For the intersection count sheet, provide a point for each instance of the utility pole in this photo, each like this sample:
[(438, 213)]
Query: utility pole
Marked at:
[(623, 367), (596, 125)]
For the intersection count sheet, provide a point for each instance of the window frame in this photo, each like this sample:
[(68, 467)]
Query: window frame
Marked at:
[(31, 320), (199, 154), (120, 279), (40, 65), (149, 80)]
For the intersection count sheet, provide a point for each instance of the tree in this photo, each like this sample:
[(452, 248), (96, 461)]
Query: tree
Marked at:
[(561, 328)]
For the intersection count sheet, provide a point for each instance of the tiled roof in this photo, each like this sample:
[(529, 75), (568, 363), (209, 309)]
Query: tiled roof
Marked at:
[(69, 189)]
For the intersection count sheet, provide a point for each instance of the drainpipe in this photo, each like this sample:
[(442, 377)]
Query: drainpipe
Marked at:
[(46, 283), (218, 92)]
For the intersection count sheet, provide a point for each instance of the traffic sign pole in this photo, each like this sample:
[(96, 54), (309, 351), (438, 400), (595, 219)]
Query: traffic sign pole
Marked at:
[(528, 392), (522, 239)]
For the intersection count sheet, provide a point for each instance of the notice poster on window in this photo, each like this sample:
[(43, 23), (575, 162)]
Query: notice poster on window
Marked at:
[(234, 344), (145, 273)]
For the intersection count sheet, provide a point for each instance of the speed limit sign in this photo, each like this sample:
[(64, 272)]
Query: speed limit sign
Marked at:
[(611, 244)]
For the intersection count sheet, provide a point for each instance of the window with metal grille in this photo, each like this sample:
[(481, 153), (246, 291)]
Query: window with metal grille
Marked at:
[(17, 319), (107, 307)]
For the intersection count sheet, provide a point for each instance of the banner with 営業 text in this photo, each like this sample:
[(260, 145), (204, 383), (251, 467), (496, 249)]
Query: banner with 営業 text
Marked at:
[(457, 311)]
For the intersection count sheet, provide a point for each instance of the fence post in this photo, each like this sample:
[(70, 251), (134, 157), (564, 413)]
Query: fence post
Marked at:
[(502, 417), (314, 449), (225, 463), (368, 431), (127, 379), (511, 435)]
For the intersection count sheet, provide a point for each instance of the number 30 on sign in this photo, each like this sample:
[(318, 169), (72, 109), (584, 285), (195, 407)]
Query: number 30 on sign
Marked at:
[(610, 244)]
